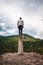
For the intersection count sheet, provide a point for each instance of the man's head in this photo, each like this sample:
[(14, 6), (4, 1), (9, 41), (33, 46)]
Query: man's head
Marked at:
[(20, 18)]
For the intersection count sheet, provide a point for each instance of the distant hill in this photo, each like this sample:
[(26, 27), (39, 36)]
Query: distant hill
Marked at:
[(10, 44), (26, 37)]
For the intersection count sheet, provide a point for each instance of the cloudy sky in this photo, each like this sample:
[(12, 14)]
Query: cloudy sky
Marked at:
[(31, 12)]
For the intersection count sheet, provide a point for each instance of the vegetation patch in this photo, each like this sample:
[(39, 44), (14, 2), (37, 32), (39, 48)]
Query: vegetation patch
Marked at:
[(30, 44)]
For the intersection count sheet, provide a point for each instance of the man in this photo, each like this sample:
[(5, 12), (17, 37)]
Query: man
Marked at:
[(20, 25)]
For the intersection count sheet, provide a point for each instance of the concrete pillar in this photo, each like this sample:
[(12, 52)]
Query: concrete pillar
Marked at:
[(20, 45)]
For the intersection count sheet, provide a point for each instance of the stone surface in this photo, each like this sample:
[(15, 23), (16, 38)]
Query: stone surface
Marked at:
[(20, 45), (26, 59)]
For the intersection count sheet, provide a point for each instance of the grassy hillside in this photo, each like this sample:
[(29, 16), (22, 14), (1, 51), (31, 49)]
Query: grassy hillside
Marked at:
[(10, 44)]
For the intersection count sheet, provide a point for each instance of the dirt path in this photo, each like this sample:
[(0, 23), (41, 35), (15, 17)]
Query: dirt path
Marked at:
[(26, 59)]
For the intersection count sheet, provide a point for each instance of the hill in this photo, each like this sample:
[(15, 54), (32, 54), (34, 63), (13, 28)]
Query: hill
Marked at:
[(10, 44)]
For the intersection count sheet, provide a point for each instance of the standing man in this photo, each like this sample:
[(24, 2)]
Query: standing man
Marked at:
[(20, 25)]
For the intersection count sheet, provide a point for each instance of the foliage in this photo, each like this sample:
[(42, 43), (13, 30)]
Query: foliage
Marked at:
[(10, 44)]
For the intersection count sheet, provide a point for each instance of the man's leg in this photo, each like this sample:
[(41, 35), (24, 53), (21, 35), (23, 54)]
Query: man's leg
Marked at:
[(21, 30)]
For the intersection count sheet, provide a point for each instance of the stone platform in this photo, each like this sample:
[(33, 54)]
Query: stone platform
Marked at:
[(26, 59)]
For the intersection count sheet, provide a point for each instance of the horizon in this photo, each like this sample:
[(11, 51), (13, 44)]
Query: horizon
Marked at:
[(18, 35)]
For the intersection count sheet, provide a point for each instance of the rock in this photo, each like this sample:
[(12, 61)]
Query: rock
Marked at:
[(26, 59), (20, 45)]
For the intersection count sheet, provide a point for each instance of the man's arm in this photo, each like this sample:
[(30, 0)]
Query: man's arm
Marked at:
[(23, 23), (17, 23)]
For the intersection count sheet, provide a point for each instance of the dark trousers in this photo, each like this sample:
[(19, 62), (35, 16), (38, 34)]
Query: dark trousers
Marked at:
[(20, 27)]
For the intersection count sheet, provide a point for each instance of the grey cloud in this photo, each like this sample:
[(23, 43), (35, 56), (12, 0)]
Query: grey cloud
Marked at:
[(31, 31), (7, 26), (39, 35), (34, 1), (28, 7), (1, 29), (7, 34), (25, 4), (39, 1), (21, 2), (42, 20), (1, 18), (10, 26), (5, 20), (33, 4), (4, 30)]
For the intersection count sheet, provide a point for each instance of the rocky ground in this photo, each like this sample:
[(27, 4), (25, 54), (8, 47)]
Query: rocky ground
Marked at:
[(26, 59)]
